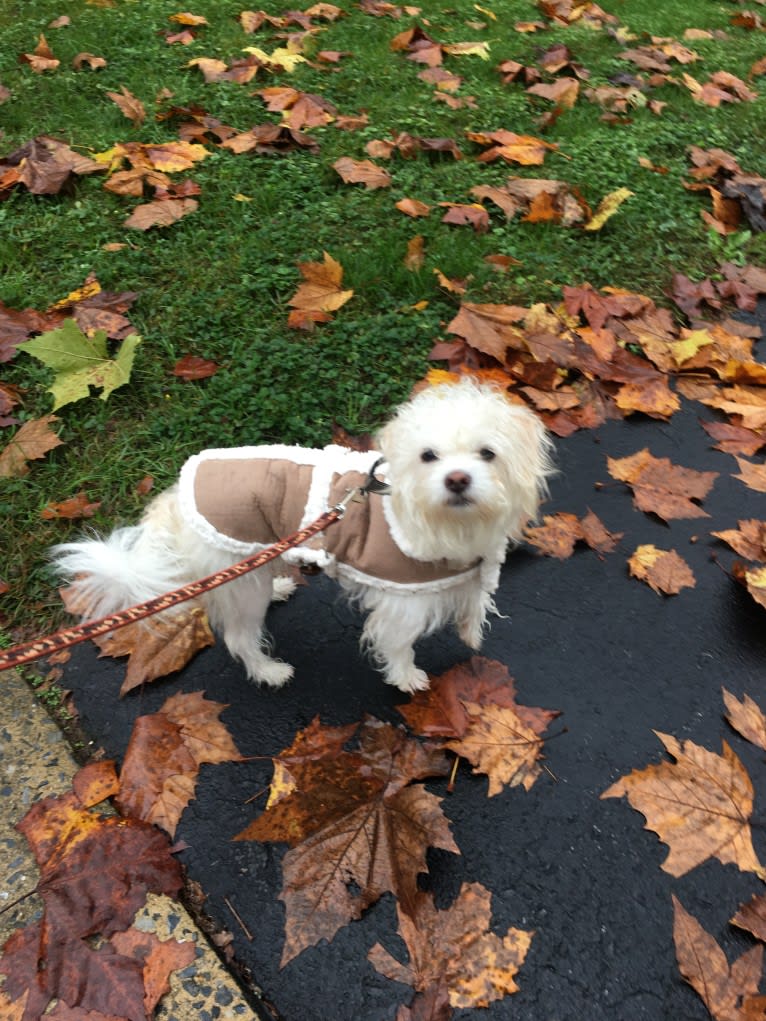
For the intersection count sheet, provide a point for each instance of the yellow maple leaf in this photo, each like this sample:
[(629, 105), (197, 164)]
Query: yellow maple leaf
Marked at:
[(607, 207), (284, 58)]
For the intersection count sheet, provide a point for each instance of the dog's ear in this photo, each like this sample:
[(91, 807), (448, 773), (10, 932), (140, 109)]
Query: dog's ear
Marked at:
[(528, 454)]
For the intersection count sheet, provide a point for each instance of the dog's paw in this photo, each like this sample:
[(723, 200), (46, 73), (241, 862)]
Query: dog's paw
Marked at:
[(282, 588), (274, 673), (472, 635), (414, 680)]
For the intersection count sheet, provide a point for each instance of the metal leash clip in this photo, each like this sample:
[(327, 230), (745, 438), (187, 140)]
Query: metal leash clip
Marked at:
[(372, 485)]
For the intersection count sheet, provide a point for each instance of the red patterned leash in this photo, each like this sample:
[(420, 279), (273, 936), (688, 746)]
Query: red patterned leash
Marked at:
[(36, 649)]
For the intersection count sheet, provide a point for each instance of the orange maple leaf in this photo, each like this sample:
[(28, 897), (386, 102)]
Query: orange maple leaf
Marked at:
[(320, 294), (455, 949), (700, 806), (662, 488)]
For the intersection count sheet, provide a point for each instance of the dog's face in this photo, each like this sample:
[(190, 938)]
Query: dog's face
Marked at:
[(466, 466)]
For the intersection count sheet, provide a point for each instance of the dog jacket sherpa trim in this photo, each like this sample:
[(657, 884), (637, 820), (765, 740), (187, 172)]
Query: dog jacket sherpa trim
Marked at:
[(244, 498)]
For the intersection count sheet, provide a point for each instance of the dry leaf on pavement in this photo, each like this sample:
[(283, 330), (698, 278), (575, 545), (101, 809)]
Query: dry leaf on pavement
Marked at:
[(455, 948), (700, 805), (664, 570)]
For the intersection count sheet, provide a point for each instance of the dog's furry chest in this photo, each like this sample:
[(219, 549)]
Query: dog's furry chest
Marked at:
[(244, 498)]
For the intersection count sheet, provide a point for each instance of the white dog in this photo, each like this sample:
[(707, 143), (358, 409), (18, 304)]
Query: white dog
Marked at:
[(466, 469)]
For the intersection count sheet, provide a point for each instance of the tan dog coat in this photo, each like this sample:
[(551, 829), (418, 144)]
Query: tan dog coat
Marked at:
[(245, 498)]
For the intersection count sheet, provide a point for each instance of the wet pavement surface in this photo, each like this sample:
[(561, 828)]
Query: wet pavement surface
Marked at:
[(582, 637)]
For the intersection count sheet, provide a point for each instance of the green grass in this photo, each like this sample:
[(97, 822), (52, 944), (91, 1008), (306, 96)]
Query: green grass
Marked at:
[(217, 283)]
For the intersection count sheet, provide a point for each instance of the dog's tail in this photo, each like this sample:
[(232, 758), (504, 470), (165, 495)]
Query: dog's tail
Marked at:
[(108, 575)]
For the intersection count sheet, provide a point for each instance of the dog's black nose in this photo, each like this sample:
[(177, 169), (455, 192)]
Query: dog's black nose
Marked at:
[(457, 481)]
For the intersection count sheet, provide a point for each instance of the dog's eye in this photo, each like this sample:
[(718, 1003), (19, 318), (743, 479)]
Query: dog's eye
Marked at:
[(429, 455), (486, 454)]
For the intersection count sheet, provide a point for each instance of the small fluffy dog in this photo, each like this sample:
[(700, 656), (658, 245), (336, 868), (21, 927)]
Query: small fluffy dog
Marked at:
[(466, 468)]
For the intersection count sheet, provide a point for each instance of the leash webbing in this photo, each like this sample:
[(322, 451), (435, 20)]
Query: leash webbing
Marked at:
[(27, 652)]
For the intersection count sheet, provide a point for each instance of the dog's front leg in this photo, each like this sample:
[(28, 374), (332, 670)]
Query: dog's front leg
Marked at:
[(389, 634), (471, 617)]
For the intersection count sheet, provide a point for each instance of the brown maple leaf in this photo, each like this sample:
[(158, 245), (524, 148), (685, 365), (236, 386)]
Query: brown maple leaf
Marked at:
[(752, 917), (414, 208), (95, 872), (724, 989), (473, 705), (42, 58), (700, 806), (270, 138), (747, 718), (166, 749), (455, 948), (319, 294), (525, 150), (748, 539), (75, 507), (194, 367), (32, 441), (497, 743), (159, 646), (663, 570), (471, 215), (362, 172), (734, 439), (560, 532), (158, 959), (358, 827), (754, 580), (131, 106), (753, 475), (489, 328), (160, 212), (662, 488)]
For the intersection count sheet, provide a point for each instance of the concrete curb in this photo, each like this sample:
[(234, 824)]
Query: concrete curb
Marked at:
[(35, 761)]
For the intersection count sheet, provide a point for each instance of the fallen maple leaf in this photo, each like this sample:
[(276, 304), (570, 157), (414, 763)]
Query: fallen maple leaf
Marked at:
[(81, 361), (320, 293), (724, 989), (489, 328), (471, 215), (700, 806), (753, 475), (563, 92), (440, 711), (166, 749), (131, 107), (754, 580), (75, 507), (358, 827), (663, 570), (94, 62), (95, 872), (160, 212), (413, 207), (748, 539), (747, 718), (194, 367), (752, 917), (32, 441), (42, 58), (362, 172), (415, 256), (160, 646), (455, 948), (158, 959), (559, 533), (511, 147), (607, 207), (498, 744), (662, 488)]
